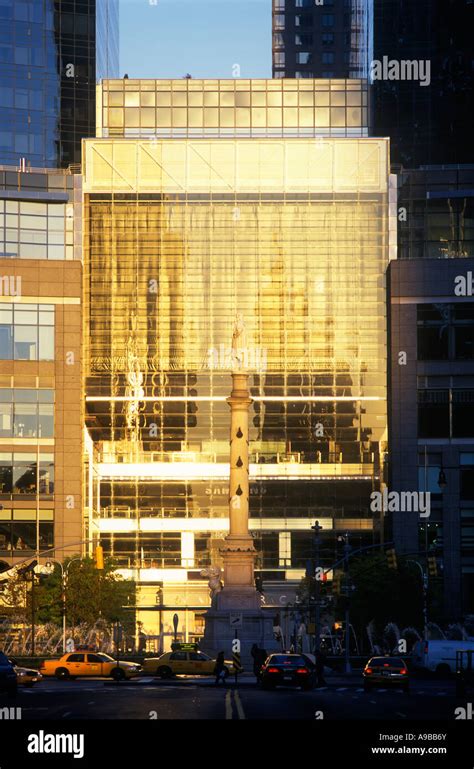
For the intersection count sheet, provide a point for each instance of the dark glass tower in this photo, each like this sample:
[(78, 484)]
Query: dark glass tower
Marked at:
[(327, 40), (51, 54), (426, 124)]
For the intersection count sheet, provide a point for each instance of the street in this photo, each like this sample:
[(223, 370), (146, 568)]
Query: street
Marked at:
[(191, 698)]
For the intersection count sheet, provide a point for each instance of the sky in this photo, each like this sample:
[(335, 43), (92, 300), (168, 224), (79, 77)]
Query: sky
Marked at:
[(205, 38)]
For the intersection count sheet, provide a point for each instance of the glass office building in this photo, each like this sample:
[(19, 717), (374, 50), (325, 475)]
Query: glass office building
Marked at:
[(51, 54), (323, 40), (181, 232)]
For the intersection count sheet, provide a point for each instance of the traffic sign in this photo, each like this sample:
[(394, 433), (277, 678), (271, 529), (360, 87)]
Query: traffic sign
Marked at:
[(236, 619)]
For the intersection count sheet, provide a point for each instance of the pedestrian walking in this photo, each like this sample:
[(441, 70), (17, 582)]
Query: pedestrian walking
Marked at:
[(320, 661), (220, 670)]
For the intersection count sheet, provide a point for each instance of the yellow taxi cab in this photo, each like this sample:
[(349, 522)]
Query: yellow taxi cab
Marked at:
[(25, 676), (183, 662), (386, 671), (83, 664)]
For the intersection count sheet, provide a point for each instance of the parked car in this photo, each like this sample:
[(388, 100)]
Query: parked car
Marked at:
[(438, 656), (25, 676), (464, 671), (285, 669), (8, 679), (82, 664), (386, 671), (183, 663)]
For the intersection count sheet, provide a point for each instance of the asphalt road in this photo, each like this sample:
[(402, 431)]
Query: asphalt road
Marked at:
[(148, 698)]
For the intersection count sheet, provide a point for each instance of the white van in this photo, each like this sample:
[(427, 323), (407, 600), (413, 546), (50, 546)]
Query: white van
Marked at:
[(438, 656)]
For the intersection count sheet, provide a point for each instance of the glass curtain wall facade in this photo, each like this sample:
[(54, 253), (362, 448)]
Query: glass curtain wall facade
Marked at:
[(51, 53), (426, 124), (327, 40), (180, 234)]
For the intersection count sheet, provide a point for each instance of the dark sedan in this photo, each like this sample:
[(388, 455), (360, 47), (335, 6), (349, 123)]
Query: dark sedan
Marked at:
[(8, 680), (288, 670)]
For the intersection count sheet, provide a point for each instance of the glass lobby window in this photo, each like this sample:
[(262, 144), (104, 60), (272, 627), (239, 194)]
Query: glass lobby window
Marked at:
[(27, 332)]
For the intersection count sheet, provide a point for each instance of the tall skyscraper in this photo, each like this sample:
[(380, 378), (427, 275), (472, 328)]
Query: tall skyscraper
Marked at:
[(41, 414), (203, 198), (51, 54), (427, 123), (330, 39)]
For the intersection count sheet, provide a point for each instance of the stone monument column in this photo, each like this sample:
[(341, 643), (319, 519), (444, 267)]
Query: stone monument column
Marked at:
[(239, 596)]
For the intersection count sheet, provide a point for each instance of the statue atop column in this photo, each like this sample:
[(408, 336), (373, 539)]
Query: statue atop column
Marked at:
[(239, 343)]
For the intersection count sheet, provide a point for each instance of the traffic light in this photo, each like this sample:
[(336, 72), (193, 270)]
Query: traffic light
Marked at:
[(432, 566), (392, 558), (99, 557), (336, 582)]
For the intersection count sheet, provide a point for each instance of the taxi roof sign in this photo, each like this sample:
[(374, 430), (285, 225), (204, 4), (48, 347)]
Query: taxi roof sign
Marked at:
[(177, 646)]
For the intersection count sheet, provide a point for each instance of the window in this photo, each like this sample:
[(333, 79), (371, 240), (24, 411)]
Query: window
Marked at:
[(304, 3), (433, 413), (467, 476), (26, 413), (279, 21), (178, 657), (328, 19), (279, 59), (19, 474), (328, 58), (327, 38), (94, 658), (304, 39), (76, 658), (446, 331), (26, 332), (304, 20), (446, 413), (304, 57)]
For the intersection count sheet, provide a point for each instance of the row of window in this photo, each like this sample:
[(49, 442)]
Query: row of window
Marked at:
[(19, 474), (26, 331), (21, 537), (304, 57), (306, 20)]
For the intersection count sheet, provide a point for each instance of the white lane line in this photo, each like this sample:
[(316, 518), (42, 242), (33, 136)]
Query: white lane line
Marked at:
[(373, 702), (92, 702), (66, 714), (322, 688), (228, 705), (238, 704), (402, 715), (359, 690), (342, 689), (380, 691)]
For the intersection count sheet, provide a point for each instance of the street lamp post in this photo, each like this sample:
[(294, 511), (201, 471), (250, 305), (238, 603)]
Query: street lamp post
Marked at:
[(317, 541), (347, 550), (64, 576)]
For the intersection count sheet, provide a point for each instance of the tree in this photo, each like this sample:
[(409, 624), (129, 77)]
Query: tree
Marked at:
[(91, 594), (384, 595)]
